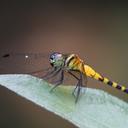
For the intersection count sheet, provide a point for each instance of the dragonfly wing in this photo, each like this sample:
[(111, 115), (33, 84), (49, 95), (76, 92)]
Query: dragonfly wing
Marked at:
[(28, 63), (70, 79)]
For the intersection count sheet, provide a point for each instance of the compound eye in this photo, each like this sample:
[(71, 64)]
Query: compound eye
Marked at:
[(55, 57), (52, 58)]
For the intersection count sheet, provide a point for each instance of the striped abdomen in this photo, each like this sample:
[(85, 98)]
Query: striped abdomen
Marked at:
[(75, 63), (91, 73)]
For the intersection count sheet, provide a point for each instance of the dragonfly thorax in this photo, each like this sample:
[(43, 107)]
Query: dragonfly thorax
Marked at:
[(57, 59)]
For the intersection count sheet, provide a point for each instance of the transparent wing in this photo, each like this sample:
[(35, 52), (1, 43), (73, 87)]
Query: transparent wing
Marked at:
[(73, 81), (35, 63)]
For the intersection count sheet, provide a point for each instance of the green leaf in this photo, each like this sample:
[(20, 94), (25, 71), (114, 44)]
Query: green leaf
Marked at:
[(94, 109)]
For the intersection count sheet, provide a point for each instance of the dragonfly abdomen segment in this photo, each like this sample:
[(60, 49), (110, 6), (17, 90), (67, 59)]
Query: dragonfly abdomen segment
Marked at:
[(114, 84), (75, 63), (93, 74)]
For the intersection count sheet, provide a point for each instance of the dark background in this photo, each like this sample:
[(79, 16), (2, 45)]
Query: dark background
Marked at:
[(97, 31)]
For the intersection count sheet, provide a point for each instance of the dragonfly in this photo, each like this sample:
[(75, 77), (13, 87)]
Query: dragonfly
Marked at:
[(72, 64)]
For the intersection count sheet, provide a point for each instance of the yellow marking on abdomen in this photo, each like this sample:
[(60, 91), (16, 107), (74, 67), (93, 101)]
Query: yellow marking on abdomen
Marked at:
[(105, 80), (114, 84), (93, 74), (123, 88), (74, 62)]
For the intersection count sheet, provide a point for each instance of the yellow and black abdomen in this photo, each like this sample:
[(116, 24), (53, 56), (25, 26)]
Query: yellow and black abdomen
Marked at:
[(75, 63), (93, 74), (114, 84)]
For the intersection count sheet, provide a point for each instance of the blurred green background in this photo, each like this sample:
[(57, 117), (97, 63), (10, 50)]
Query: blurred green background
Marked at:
[(97, 32)]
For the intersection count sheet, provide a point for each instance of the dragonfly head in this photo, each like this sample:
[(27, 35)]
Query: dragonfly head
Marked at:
[(56, 59)]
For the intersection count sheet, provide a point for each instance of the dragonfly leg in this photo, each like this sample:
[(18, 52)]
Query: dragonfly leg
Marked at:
[(73, 75), (51, 74), (59, 82), (73, 93), (78, 85)]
